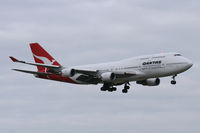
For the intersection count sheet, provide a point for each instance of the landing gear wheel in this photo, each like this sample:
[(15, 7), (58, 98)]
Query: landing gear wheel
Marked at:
[(110, 90), (114, 88), (124, 91), (108, 87), (103, 89), (173, 82), (126, 88)]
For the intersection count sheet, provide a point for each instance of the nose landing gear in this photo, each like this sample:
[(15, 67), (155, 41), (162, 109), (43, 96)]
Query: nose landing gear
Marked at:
[(173, 82)]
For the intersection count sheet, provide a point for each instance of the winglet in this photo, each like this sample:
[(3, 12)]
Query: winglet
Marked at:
[(13, 59)]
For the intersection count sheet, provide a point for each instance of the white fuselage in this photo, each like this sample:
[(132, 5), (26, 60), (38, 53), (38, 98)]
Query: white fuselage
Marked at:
[(149, 66), (145, 70)]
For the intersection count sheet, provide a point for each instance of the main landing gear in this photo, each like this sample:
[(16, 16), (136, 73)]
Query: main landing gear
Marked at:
[(173, 82), (108, 87), (126, 88)]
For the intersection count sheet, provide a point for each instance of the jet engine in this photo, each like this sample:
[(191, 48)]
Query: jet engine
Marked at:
[(108, 77), (150, 82), (68, 72)]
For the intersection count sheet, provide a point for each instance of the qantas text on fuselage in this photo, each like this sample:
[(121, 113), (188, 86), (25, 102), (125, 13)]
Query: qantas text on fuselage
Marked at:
[(145, 70)]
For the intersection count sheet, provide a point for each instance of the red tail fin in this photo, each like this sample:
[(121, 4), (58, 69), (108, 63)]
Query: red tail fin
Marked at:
[(41, 56)]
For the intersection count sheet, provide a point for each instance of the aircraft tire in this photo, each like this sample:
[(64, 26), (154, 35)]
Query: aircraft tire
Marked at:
[(127, 87), (124, 91), (173, 82), (110, 89), (114, 88), (103, 89)]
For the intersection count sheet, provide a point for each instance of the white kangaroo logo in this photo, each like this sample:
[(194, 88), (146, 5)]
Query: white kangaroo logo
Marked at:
[(45, 60)]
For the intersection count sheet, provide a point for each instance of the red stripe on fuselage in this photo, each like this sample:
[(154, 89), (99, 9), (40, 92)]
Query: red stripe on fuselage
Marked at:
[(58, 78)]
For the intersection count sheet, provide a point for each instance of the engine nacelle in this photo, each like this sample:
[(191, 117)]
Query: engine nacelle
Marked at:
[(68, 72), (150, 82), (108, 77)]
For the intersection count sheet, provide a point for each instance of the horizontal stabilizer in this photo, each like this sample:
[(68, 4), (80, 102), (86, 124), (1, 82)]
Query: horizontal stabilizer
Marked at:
[(35, 64), (32, 72), (13, 59)]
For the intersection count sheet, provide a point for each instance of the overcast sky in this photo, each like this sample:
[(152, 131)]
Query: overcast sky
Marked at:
[(80, 32)]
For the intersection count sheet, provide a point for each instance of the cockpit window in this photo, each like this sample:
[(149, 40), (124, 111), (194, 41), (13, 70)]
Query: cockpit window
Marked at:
[(177, 55)]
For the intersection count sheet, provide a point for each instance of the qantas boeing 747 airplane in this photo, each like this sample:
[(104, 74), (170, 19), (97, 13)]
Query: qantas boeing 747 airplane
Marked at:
[(145, 70)]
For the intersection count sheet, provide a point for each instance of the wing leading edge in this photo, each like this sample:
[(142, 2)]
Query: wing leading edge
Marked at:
[(35, 64)]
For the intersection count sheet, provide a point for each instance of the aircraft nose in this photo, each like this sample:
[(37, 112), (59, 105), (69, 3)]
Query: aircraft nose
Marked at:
[(189, 63)]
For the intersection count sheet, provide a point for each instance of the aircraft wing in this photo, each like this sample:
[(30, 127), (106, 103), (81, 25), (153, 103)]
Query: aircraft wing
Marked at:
[(93, 72), (32, 72), (94, 76), (35, 64), (98, 72)]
